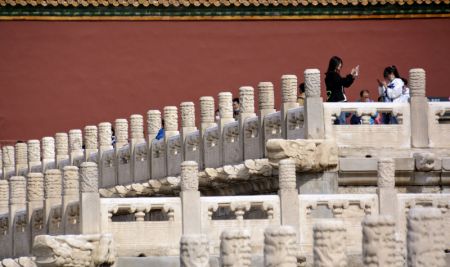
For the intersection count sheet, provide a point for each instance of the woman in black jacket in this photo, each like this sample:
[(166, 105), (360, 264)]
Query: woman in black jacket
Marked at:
[(335, 83)]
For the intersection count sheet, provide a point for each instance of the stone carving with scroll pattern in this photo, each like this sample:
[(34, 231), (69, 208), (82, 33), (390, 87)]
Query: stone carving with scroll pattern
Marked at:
[(386, 173), (74, 250), (89, 177), (246, 99), (75, 140), (280, 248), (187, 114), (21, 154), (231, 133), (329, 244), (426, 239), (235, 248), (287, 177), (53, 184), (379, 244), (90, 137), (240, 171), (34, 151), (153, 122), (417, 82), (8, 156), (309, 155), (48, 148), (17, 190), (251, 128), (226, 105), (312, 82), (289, 88), (189, 176), (71, 180), (35, 186), (207, 109), (194, 251), (18, 262), (266, 95), (4, 195), (425, 161), (121, 130), (296, 120), (62, 143), (137, 126), (272, 124), (104, 134)]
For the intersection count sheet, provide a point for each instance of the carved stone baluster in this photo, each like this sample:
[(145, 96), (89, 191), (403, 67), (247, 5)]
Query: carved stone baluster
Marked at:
[(70, 192), (75, 146), (48, 153), (419, 108), (153, 124), (90, 141), (235, 248), (17, 202), (194, 251), (187, 122), (379, 245), (387, 194), (62, 148), (89, 199), (314, 122), (121, 130), (21, 158), (280, 246), (170, 122), (4, 196), (329, 244), (289, 99), (190, 198), (34, 156), (289, 205)]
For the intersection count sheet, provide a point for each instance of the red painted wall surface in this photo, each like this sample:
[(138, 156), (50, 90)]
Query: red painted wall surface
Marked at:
[(55, 76)]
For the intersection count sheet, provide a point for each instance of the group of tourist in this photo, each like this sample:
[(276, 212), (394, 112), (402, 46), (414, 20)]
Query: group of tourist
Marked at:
[(392, 88)]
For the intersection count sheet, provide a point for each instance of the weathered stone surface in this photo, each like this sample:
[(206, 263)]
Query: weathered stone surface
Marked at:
[(74, 250), (189, 176), (235, 248), (379, 244), (425, 161), (121, 130), (194, 251), (329, 244), (153, 123), (104, 134), (386, 173), (425, 237), (280, 248), (417, 82), (35, 186), (71, 181), (34, 151), (62, 144), (90, 137), (266, 96), (53, 184), (4, 196), (18, 262), (187, 114), (89, 177), (17, 190), (75, 140), (286, 174), (312, 83), (21, 154), (289, 88), (137, 126), (246, 99), (48, 148), (309, 155)]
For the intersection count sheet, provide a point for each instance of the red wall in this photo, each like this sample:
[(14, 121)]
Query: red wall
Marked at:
[(55, 76)]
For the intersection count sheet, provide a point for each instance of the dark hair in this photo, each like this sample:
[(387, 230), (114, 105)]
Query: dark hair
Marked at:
[(362, 92), (405, 81), (236, 100), (391, 70), (301, 87), (334, 63)]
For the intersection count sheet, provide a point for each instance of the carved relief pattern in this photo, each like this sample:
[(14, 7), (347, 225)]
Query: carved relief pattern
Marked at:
[(251, 128), (21, 154), (35, 187), (386, 173), (287, 176), (235, 248), (207, 109), (71, 181), (75, 250), (89, 177), (4, 193), (266, 95), (48, 148), (329, 244), (417, 82), (62, 144), (90, 137), (192, 142), (52, 184), (272, 124), (141, 153), (312, 83), (280, 247), (153, 122), (121, 132), (212, 137), (17, 190), (171, 118), (289, 88), (379, 245), (104, 134), (231, 133), (75, 140), (34, 151), (189, 176), (226, 105), (426, 241), (194, 251), (8, 156), (425, 161), (187, 114), (137, 126), (174, 145), (18, 262), (308, 154), (247, 99), (295, 120)]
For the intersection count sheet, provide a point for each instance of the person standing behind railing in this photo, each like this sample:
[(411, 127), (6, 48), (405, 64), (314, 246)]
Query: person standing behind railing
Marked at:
[(391, 89), (335, 84)]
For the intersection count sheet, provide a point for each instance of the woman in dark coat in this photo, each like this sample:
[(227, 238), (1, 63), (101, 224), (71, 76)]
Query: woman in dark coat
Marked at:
[(335, 83)]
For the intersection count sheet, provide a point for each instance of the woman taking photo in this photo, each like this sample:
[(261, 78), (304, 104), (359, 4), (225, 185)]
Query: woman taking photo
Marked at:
[(335, 83)]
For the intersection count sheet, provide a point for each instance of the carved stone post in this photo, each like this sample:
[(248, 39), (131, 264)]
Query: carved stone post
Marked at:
[(121, 130), (329, 244), (90, 141), (247, 102), (379, 245), (170, 122), (206, 113), (71, 191), (288, 193), (1, 164), (34, 156), (194, 251), (419, 108), (387, 194), (4, 196), (62, 148), (266, 99), (21, 158), (280, 246), (104, 136), (426, 239), (190, 198), (315, 128), (289, 99), (52, 193), (75, 145), (187, 122), (153, 124), (35, 201), (48, 153), (8, 161), (235, 248), (226, 116), (89, 199), (137, 137), (17, 202)]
